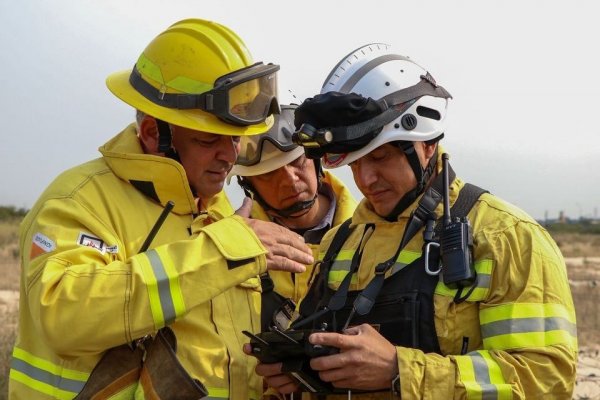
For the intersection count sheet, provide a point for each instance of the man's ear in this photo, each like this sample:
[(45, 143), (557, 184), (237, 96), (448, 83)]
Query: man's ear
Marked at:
[(429, 150), (425, 152), (148, 134)]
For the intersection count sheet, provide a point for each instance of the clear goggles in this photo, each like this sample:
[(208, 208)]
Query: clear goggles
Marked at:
[(277, 139), (243, 97)]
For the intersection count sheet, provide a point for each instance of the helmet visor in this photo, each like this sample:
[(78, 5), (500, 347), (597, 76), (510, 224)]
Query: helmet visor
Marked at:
[(243, 97), (250, 95), (253, 148)]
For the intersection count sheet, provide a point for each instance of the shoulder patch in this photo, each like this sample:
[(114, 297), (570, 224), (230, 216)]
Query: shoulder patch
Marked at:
[(41, 244)]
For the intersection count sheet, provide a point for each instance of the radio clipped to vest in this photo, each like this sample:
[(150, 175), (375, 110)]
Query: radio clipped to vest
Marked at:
[(456, 243)]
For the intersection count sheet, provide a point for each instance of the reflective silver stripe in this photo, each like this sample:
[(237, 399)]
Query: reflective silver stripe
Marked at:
[(341, 265), (525, 325), (482, 377), (398, 267), (49, 378), (164, 291), (483, 280)]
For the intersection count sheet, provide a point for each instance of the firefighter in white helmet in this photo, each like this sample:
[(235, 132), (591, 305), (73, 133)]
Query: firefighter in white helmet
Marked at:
[(443, 291), (90, 280), (293, 191)]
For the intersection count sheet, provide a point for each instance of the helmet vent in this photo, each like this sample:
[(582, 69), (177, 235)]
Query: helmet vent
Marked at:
[(409, 122), (429, 113)]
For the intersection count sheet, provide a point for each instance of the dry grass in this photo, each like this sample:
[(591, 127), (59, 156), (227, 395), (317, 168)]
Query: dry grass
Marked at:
[(7, 340), (578, 245), (9, 280)]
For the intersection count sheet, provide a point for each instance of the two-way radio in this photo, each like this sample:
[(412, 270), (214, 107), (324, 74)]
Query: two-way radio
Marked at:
[(456, 243)]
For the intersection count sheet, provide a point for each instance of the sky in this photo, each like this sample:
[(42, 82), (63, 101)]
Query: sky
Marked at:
[(523, 121)]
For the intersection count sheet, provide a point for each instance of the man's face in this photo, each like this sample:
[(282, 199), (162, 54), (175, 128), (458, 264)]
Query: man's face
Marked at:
[(285, 186), (206, 158), (384, 176)]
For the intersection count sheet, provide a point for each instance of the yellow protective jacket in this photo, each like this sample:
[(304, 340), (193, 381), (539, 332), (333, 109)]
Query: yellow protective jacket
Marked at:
[(344, 207), (85, 288), (519, 319)]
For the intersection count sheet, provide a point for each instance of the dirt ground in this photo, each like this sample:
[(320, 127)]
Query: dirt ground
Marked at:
[(582, 255)]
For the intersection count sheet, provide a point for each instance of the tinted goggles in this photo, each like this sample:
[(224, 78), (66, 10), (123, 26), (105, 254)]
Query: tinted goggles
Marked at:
[(243, 97)]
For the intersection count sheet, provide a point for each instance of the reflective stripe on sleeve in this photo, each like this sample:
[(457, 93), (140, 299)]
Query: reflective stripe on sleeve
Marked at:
[(166, 299), (340, 267), (404, 258), (482, 377), (482, 283), (44, 376), (343, 261), (517, 325)]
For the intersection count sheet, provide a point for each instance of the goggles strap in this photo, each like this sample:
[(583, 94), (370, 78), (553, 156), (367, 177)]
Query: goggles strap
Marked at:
[(392, 106), (425, 87), (357, 131), (169, 100)]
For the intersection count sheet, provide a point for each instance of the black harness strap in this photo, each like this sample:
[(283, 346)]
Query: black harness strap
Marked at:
[(461, 207), (319, 287)]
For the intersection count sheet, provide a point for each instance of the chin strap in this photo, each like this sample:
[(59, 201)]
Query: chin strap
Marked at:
[(165, 144), (287, 212), (422, 174)]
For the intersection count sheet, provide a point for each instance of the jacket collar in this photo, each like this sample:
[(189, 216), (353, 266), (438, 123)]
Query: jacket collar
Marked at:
[(159, 178)]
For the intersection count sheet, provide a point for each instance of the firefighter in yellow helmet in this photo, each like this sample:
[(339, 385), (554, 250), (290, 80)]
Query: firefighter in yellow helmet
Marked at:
[(95, 278), (292, 190), (435, 289)]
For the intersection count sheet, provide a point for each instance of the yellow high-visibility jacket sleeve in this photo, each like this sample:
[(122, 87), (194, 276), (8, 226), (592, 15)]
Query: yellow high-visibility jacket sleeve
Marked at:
[(77, 288), (524, 345)]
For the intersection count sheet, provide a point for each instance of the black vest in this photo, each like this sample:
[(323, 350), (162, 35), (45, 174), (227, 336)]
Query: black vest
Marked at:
[(403, 310)]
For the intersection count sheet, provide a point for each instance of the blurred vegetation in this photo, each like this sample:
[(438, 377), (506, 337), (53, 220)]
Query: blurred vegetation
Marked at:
[(583, 227), (11, 213)]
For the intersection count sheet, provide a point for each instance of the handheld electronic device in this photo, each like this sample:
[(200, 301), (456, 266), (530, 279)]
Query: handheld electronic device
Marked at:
[(456, 243)]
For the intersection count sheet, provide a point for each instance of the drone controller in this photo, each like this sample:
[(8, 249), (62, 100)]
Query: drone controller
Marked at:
[(294, 351)]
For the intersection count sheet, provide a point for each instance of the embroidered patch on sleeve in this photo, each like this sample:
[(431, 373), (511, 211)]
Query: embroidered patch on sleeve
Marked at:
[(85, 239), (41, 244)]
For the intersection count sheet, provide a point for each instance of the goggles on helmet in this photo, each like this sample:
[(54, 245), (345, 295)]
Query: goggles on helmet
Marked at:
[(344, 139), (256, 146), (243, 97)]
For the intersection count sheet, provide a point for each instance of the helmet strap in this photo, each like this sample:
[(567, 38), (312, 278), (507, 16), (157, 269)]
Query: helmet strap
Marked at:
[(287, 212), (320, 173), (423, 175), (165, 144)]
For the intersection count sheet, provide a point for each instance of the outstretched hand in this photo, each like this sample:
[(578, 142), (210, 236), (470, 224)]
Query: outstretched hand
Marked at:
[(287, 250), (366, 359)]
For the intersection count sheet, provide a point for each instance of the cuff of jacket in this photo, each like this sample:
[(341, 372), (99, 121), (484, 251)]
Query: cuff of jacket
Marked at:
[(236, 241), (425, 376)]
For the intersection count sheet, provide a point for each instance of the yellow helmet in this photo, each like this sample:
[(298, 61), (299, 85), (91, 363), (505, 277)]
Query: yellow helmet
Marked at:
[(199, 74)]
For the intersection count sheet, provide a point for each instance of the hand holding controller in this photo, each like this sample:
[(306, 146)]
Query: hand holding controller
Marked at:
[(276, 345)]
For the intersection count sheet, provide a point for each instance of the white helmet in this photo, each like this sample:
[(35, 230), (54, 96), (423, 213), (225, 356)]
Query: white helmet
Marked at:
[(271, 150), (373, 71)]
